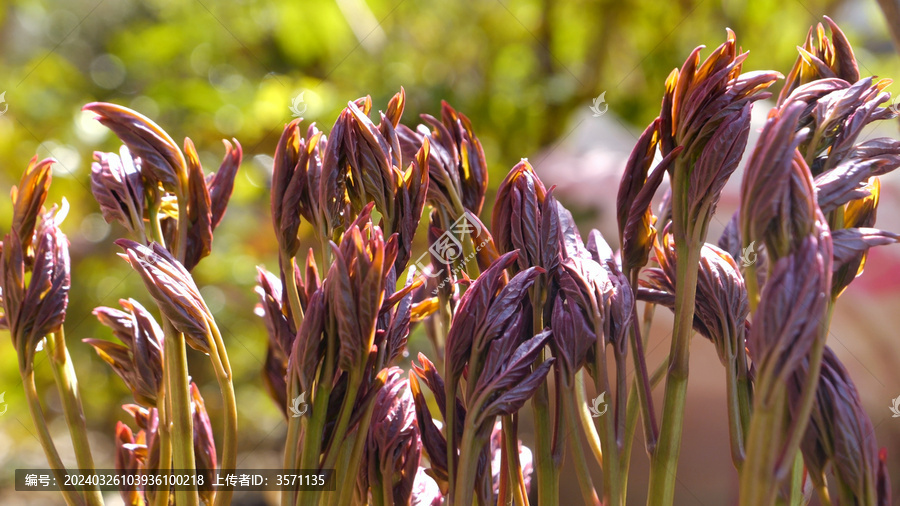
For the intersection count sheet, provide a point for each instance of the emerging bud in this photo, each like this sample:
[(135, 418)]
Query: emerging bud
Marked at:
[(118, 187), (393, 447), (173, 289), (356, 286), (821, 58), (161, 160), (526, 219), (840, 432), (792, 306), (487, 310), (295, 184), (38, 309), (139, 361), (129, 454), (777, 195), (207, 199), (456, 164), (706, 110), (636, 190), (722, 306)]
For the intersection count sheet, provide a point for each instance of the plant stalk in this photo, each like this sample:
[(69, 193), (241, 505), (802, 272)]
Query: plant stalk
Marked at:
[(545, 462), (175, 371), (587, 423), (359, 441), (165, 448), (67, 384), (465, 482), (664, 462), (516, 481), (37, 416), (580, 459), (222, 368), (290, 284), (340, 428)]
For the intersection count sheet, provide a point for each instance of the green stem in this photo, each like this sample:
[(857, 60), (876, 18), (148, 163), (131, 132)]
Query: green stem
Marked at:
[(735, 420), (312, 438), (545, 462), (380, 496), (291, 443), (516, 481), (664, 462), (796, 497), (631, 406), (611, 469), (580, 459), (642, 385), (333, 498), (465, 484), (822, 492), (67, 384), (340, 429), (290, 285), (752, 285), (165, 449), (175, 371), (758, 488), (359, 441), (587, 423), (164, 402), (631, 422), (37, 416), (450, 434), (222, 367)]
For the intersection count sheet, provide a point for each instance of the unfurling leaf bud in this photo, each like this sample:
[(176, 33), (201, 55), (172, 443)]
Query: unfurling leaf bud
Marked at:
[(173, 289), (139, 360)]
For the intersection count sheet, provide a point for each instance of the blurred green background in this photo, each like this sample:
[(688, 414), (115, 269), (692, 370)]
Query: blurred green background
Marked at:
[(212, 70)]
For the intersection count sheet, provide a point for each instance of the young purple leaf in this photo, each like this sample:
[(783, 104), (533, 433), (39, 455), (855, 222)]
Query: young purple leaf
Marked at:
[(139, 360), (28, 200), (38, 309), (128, 461), (221, 183), (173, 289), (118, 187), (204, 444), (393, 446), (821, 58), (777, 195), (456, 163), (722, 306), (199, 210), (161, 160), (792, 306), (839, 432)]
